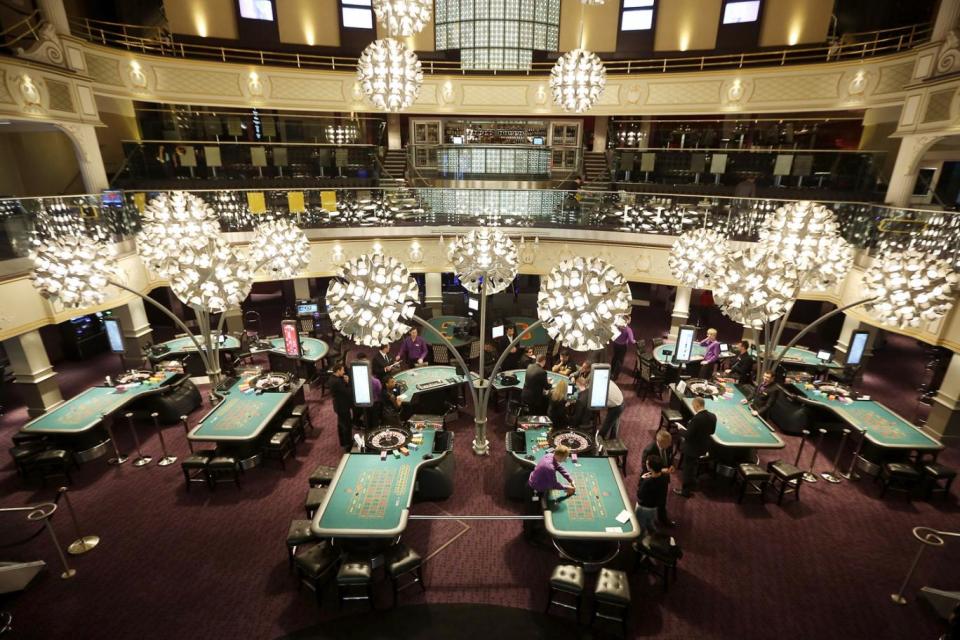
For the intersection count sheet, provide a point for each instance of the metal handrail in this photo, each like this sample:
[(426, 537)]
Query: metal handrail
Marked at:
[(866, 44), (32, 22)]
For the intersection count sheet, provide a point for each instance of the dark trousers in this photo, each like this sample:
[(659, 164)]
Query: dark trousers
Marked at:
[(616, 364), (707, 369), (689, 471), (345, 427), (611, 423)]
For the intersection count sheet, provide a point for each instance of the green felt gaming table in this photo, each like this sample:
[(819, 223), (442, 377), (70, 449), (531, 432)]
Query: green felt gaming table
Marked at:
[(370, 497), (445, 325), (879, 425), (796, 356), (85, 410), (737, 428), (522, 376), (538, 336), (314, 349), (180, 346), (429, 378), (240, 417), (591, 513), (659, 353)]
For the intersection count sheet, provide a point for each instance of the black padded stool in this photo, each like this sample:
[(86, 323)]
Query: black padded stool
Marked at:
[(616, 448), (298, 534), (752, 476), (566, 578), (355, 576), (316, 566), (322, 476), (294, 426), (301, 411), (194, 468), (50, 463), (23, 454), (934, 474), (670, 419), (898, 476), (401, 560), (662, 554), (612, 593), (314, 500), (224, 469), (278, 448), (789, 477)]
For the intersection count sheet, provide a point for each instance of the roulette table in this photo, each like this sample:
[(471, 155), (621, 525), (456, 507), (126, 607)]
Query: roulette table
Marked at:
[(737, 428), (521, 374), (424, 379), (538, 336), (445, 325), (314, 349)]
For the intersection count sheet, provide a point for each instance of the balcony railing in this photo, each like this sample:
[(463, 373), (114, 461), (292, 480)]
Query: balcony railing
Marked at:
[(158, 41), (115, 216)]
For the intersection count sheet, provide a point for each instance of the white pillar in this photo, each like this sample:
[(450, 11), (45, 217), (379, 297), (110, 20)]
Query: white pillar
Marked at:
[(948, 14), (54, 12), (33, 373), (434, 292), (393, 132), (87, 148), (681, 309), (601, 126), (945, 411), (906, 168), (137, 332), (301, 288)]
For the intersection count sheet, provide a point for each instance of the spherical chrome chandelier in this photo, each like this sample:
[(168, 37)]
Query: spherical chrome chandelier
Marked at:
[(697, 257), (280, 247), (910, 288), (577, 80), (755, 287), (807, 235), (73, 270), (371, 299), (583, 303), (175, 224), (403, 17), (214, 280), (389, 75), (484, 253)]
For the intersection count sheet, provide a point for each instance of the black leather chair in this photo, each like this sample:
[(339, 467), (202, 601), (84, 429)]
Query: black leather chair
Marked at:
[(658, 554), (355, 581), (51, 463), (298, 534), (789, 477), (935, 473), (753, 479), (278, 447), (314, 499), (194, 468), (611, 598), (402, 561), (322, 476), (899, 476), (316, 566), (566, 579), (224, 469)]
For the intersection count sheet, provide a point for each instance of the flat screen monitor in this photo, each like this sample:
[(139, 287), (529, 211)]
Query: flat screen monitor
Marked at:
[(824, 355), (538, 140), (361, 383), (256, 10), (307, 309), (291, 338), (457, 139), (473, 304), (724, 348), (497, 331), (110, 197), (599, 385), (745, 11), (684, 349), (857, 348), (114, 335)]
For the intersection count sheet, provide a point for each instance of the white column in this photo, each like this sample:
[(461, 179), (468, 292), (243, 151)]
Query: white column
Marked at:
[(33, 373), (601, 125), (906, 168), (137, 332), (87, 148), (945, 412), (301, 288), (393, 132), (681, 309), (54, 12), (434, 293), (948, 14)]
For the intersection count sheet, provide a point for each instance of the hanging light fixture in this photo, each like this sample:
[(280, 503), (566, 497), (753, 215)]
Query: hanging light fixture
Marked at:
[(280, 247), (371, 299), (403, 17), (697, 257), (389, 75), (583, 302), (485, 253), (910, 288), (755, 287), (176, 227), (577, 80), (214, 280), (342, 133), (73, 270)]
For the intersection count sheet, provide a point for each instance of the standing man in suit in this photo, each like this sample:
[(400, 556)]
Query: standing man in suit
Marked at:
[(513, 357), (342, 404), (536, 385), (662, 448), (742, 367), (382, 364), (696, 442)]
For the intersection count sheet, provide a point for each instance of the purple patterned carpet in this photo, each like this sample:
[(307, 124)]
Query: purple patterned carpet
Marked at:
[(213, 564)]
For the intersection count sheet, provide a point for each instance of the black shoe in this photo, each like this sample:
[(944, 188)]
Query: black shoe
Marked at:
[(669, 524), (681, 492)]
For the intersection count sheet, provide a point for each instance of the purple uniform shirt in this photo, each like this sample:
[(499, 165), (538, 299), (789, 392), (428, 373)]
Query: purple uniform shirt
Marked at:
[(713, 350), (377, 389), (413, 350), (543, 478), (625, 337)]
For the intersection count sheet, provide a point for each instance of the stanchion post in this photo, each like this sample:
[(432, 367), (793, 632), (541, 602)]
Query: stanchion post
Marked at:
[(897, 597), (851, 473), (803, 441), (185, 421), (167, 459), (67, 571), (833, 476), (809, 476), (83, 543), (141, 460), (118, 458)]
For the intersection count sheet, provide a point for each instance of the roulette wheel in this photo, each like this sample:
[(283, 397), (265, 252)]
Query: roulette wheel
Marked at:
[(272, 381), (833, 389), (388, 439), (705, 388), (578, 442), (134, 376)]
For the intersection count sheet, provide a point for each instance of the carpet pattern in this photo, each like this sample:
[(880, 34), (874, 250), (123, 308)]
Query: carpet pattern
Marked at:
[(212, 564)]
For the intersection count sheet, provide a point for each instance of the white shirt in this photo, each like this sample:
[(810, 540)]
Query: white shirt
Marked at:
[(614, 395)]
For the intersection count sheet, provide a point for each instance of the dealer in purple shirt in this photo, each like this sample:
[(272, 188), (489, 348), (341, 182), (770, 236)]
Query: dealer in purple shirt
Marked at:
[(543, 478), (712, 355), (414, 349)]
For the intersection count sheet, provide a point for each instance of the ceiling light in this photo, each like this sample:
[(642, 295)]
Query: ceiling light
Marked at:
[(484, 253), (389, 75), (403, 17), (280, 247), (910, 288), (697, 257), (577, 80)]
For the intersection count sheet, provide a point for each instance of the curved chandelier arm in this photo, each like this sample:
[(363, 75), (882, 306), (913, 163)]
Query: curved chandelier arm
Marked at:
[(170, 315), (499, 362), (813, 324), (455, 354)]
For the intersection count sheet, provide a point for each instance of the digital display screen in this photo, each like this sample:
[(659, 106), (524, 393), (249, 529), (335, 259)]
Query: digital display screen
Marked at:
[(724, 347), (824, 355), (457, 139), (737, 12), (599, 383), (256, 10), (538, 140), (111, 198), (114, 335), (473, 304), (308, 309), (291, 338), (858, 346), (497, 331), (684, 348), (361, 384)]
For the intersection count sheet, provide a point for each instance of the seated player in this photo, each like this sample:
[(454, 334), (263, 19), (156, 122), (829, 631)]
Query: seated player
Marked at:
[(741, 369), (390, 402), (652, 494), (581, 414), (559, 402), (564, 366), (413, 350), (709, 363), (527, 359), (764, 396)]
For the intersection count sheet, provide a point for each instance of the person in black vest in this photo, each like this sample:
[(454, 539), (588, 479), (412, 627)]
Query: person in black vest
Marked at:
[(741, 369), (764, 396), (662, 448), (342, 404), (696, 442), (536, 385)]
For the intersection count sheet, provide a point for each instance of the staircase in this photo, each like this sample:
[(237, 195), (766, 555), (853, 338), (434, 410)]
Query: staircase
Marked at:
[(394, 165), (596, 176)]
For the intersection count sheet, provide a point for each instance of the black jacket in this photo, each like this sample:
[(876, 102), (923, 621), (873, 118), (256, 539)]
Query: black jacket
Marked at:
[(742, 368), (379, 364), (557, 412), (653, 450), (342, 395), (509, 362), (699, 429), (764, 398), (535, 384), (652, 492), (581, 411)]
